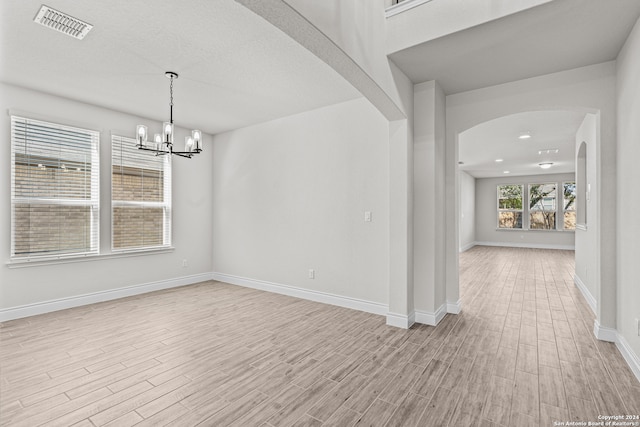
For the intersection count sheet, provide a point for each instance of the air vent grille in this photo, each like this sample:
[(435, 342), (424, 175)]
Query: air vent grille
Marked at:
[(62, 22)]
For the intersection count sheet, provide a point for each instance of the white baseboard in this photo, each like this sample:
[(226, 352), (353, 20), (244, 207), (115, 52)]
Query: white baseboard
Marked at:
[(427, 318), (627, 352), (528, 245), (604, 333), (323, 297), (612, 335), (400, 320), (454, 307), (76, 301), (585, 293), (467, 247)]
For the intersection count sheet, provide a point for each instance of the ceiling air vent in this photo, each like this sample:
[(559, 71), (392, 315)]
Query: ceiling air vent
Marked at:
[(62, 22)]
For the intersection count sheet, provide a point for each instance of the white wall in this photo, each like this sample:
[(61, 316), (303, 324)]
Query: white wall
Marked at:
[(349, 35), (628, 201), (467, 211), (586, 258), (487, 232), (428, 193), (588, 89), (192, 210), (358, 27), (290, 195)]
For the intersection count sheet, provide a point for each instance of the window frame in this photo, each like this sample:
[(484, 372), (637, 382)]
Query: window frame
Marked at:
[(499, 210), (93, 202), (165, 204)]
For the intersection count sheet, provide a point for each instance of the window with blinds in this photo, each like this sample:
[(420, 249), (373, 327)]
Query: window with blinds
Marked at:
[(140, 197), (54, 190)]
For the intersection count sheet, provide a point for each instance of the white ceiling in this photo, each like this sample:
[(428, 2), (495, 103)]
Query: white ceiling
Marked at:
[(235, 68), (556, 36), (481, 145)]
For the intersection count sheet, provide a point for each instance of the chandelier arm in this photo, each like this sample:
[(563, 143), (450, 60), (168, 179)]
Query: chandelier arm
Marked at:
[(182, 154), (150, 149)]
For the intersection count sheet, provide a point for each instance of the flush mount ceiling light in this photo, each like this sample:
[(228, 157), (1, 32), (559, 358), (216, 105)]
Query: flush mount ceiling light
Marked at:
[(545, 165), (163, 144), (62, 22), (525, 135)]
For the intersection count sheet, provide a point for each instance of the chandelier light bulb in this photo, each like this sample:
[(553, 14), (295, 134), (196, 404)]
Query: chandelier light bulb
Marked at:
[(197, 138), (188, 144), (141, 132)]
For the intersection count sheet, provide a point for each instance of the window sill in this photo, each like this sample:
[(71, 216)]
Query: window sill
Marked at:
[(534, 230), (35, 262)]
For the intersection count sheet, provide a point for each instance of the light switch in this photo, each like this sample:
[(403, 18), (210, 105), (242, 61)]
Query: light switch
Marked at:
[(367, 216)]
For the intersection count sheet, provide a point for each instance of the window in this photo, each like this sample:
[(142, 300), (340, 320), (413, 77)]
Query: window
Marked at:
[(510, 206), (569, 205), (54, 190), (542, 206), (140, 197)]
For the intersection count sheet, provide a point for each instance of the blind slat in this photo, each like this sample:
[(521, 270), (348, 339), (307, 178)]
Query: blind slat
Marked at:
[(140, 197)]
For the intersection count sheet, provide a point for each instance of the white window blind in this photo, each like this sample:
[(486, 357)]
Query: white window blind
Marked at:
[(54, 190), (140, 197)]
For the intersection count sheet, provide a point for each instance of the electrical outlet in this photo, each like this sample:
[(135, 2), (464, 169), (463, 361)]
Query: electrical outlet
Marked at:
[(312, 274), (185, 264)]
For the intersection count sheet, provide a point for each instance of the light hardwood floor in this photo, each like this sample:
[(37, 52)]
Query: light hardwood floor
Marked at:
[(521, 353)]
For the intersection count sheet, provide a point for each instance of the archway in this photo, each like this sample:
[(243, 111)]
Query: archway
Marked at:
[(571, 91)]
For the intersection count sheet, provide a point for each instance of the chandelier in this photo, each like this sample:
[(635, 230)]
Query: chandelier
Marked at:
[(163, 143)]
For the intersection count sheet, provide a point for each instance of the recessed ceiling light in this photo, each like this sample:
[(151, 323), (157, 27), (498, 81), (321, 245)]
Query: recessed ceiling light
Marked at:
[(525, 135), (545, 165), (506, 172), (499, 160), (548, 151)]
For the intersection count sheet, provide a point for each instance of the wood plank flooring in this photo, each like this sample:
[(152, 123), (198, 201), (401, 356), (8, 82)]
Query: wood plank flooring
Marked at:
[(521, 353)]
